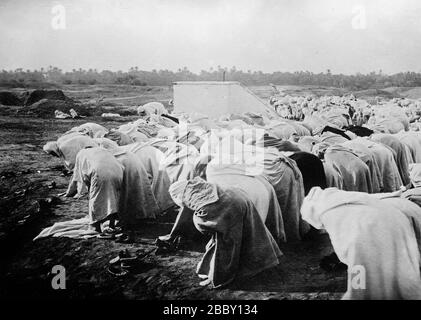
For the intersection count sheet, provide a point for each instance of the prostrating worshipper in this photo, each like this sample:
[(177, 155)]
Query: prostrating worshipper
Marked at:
[(367, 155), (236, 167), (106, 143), (241, 246), (71, 134), (151, 108), (282, 145), (93, 130), (183, 228), (393, 117), (413, 141), (355, 173), (386, 125), (137, 201), (260, 192), (333, 176), (313, 123), (99, 172), (385, 160), (68, 148), (158, 178), (179, 159), (285, 177), (312, 170), (280, 129), (336, 117), (373, 237), (401, 155), (120, 138), (301, 130), (131, 130)]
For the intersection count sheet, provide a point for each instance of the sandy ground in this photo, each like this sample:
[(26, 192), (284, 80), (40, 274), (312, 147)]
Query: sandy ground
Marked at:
[(28, 177)]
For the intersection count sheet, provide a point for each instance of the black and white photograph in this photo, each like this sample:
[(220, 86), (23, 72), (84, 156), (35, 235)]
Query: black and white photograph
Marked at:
[(210, 155)]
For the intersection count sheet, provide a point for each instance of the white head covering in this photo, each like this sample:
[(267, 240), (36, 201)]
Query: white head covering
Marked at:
[(193, 194), (51, 147), (176, 191), (319, 201)]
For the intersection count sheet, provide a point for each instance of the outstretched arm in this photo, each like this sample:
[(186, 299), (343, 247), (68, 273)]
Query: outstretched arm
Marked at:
[(71, 189)]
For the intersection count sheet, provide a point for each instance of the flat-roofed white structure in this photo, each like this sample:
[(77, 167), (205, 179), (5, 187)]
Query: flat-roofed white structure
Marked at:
[(216, 98)]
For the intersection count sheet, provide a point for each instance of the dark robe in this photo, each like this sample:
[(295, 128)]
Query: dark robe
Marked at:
[(361, 131), (312, 170)]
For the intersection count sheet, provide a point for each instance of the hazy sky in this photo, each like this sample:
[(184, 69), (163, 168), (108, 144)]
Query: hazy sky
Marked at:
[(345, 36)]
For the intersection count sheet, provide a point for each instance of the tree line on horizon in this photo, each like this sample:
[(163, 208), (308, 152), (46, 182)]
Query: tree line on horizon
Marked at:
[(54, 76)]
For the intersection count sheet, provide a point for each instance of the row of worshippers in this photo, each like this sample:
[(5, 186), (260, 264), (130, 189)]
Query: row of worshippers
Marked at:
[(274, 193)]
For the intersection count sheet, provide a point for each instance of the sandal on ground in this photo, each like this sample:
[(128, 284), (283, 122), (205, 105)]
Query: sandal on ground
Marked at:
[(127, 265), (117, 270), (115, 260), (123, 256)]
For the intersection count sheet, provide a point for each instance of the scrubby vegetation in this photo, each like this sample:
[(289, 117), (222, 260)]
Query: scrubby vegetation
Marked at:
[(53, 76)]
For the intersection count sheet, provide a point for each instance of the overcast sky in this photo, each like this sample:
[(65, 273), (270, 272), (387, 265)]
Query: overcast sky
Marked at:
[(345, 36)]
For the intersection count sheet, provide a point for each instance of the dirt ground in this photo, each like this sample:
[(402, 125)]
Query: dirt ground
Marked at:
[(30, 180)]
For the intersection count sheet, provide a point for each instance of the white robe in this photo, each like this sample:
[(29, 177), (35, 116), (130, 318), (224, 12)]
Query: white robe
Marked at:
[(137, 201), (373, 238), (151, 159), (258, 189), (68, 148), (97, 169)]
